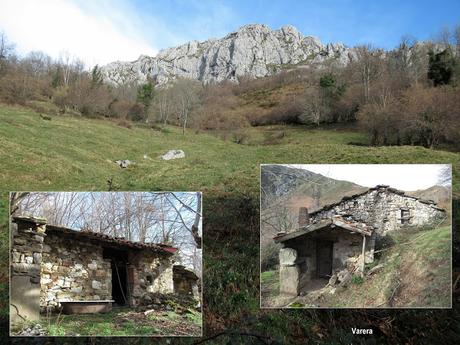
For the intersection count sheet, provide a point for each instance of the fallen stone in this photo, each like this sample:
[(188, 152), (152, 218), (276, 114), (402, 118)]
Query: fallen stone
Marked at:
[(344, 277), (173, 154), (375, 269), (35, 330), (333, 280), (124, 163)]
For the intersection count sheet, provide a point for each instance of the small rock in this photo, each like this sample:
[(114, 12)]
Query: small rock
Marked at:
[(333, 280), (37, 258), (146, 299), (148, 312), (96, 285), (124, 163), (92, 265), (76, 290), (344, 277), (173, 154)]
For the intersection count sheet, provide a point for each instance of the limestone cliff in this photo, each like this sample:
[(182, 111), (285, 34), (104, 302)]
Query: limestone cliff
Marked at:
[(253, 51)]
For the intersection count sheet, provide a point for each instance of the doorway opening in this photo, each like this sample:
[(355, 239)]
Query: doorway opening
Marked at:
[(324, 259), (118, 262)]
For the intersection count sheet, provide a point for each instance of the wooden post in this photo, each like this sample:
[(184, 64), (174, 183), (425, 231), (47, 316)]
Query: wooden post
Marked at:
[(363, 255)]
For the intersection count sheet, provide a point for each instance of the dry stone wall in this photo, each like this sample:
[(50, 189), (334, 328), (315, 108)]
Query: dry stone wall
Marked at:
[(383, 209), (73, 271), (48, 267), (151, 274), (26, 256)]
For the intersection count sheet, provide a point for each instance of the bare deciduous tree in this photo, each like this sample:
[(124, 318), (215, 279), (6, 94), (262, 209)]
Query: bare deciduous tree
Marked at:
[(168, 218), (186, 97)]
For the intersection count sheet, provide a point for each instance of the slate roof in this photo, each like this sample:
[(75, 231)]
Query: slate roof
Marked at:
[(378, 187), (336, 221), (100, 238)]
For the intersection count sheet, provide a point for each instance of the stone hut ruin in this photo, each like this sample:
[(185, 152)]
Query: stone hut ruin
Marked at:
[(51, 265), (337, 240), (186, 282)]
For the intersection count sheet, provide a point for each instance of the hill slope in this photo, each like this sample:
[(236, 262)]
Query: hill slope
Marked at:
[(416, 273)]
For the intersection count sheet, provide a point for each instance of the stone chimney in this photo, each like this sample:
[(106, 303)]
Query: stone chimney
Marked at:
[(304, 218)]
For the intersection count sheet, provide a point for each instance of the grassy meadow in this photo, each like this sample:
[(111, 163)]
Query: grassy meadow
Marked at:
[(74, 153)]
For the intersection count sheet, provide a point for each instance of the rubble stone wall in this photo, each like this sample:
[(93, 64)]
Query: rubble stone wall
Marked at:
[(48, 268), (383, 210), (73, 271), (151, 273), (27, 238), (301, 253)]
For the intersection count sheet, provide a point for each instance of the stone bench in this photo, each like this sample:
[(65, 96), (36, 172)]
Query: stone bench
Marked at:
[(86, 307)]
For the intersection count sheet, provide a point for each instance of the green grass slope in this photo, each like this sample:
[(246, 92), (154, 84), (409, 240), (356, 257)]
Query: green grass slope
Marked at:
[(416, 273), (76, 154)]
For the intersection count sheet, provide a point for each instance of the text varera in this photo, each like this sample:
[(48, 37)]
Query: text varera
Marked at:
[(362, 330)]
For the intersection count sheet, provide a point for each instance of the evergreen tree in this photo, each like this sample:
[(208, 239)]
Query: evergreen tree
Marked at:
[(441, 67), (96, 76), (145, 93)]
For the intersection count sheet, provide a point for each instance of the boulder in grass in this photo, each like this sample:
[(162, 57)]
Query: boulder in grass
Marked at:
[(124, 163), (173, 154)]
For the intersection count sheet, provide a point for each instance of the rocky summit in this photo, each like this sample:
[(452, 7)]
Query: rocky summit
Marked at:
[(253, 51)]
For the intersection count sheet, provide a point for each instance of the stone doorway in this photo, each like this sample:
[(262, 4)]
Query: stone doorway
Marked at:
[(324, 251), (118, 262)]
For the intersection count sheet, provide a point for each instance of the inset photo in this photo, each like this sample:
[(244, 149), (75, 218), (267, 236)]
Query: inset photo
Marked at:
[(105, 264), (356, 236)]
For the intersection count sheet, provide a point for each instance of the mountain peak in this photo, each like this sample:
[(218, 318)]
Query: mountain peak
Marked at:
[(253, 50)]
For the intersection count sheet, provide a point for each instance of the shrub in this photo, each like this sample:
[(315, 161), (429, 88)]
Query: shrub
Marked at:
[(357, 280), (287, 112)]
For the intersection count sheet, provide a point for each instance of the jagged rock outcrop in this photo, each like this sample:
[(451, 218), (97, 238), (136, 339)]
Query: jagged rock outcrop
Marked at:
[(253, 50)]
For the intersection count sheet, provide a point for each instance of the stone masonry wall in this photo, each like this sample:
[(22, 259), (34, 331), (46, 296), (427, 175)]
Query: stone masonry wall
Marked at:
[(298, 256), (151, 274), (47, 268), (382, 209), (27, 236), (73, 270)]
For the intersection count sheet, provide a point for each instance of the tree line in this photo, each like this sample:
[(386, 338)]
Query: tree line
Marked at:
[(406, 96)]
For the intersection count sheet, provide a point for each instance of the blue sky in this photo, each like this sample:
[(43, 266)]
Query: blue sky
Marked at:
[(103, 31)]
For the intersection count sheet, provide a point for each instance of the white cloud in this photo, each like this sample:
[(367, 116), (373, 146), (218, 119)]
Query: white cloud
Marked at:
[(97, 34), (408, 177)]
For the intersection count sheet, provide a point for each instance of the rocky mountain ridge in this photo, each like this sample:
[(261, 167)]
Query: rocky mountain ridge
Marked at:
[(253, 50)]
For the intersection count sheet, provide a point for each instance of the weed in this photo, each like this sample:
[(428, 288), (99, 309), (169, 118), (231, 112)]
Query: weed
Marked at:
[(357, 279)]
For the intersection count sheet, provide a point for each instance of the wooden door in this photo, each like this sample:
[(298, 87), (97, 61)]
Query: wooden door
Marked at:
[(324, 259)]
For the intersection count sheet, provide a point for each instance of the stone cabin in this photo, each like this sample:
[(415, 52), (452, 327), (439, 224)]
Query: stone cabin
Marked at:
[(52, 264), (342, 236)]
